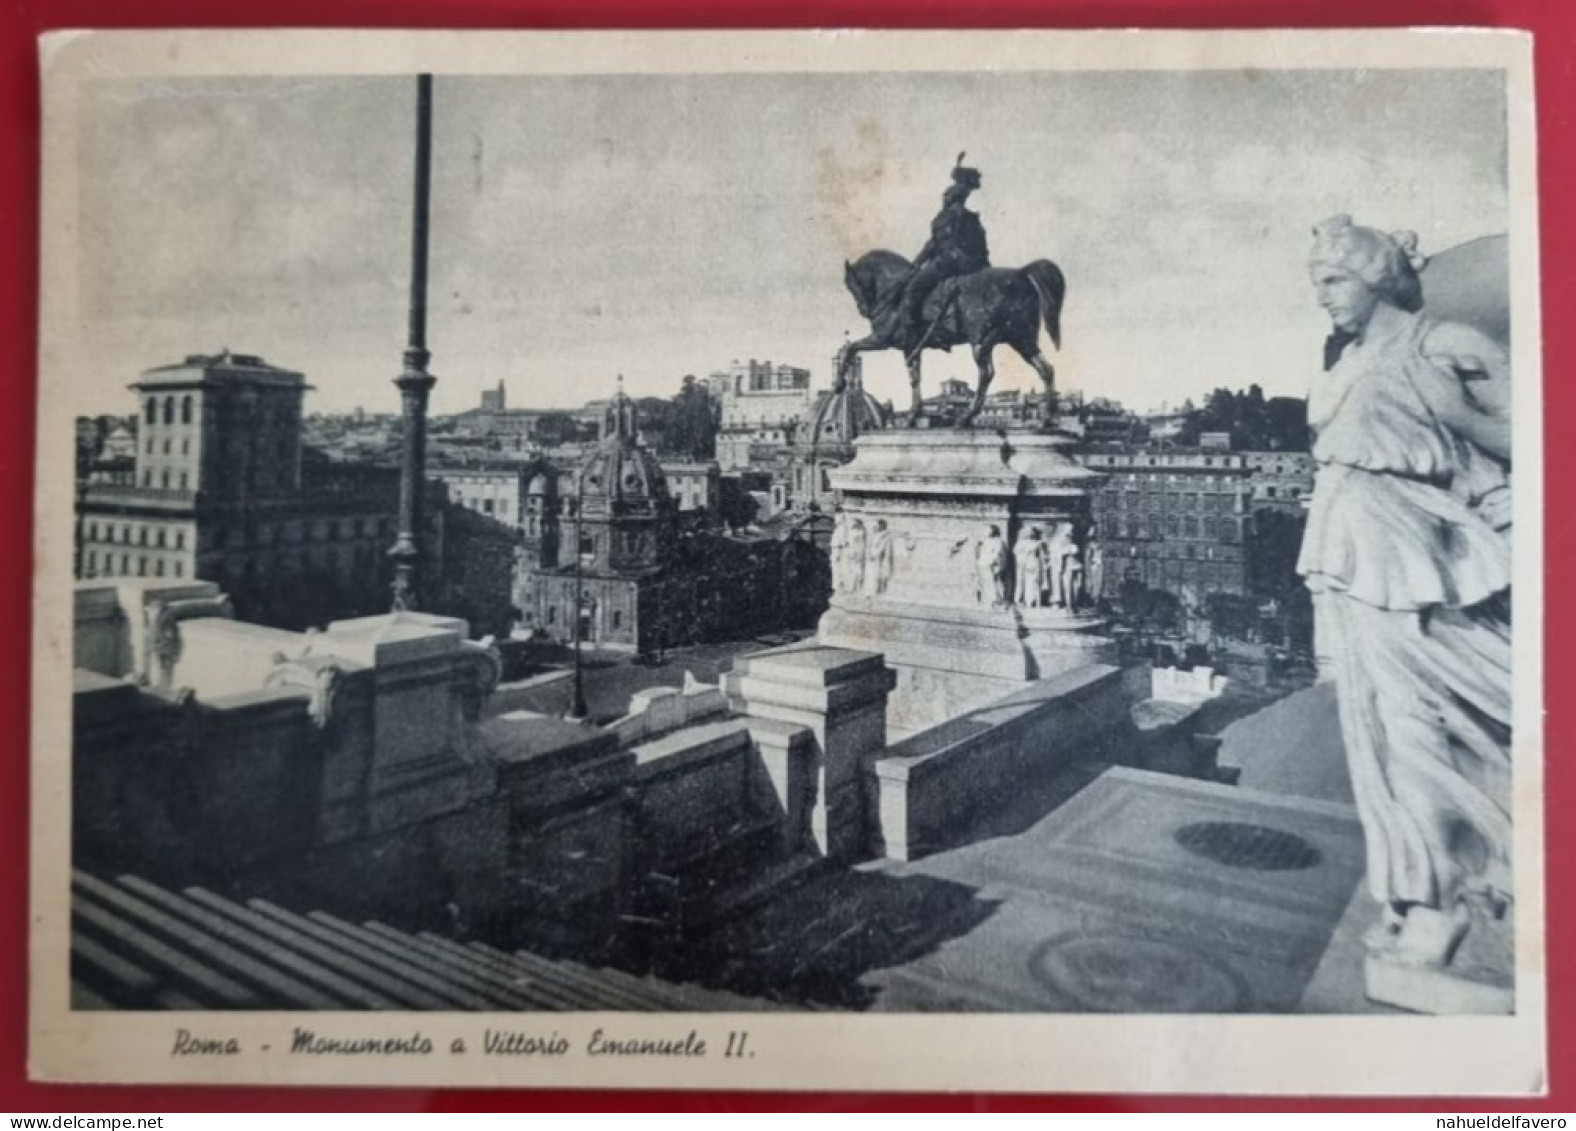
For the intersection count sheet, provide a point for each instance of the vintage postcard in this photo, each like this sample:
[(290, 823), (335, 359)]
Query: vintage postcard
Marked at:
[(790, 560)]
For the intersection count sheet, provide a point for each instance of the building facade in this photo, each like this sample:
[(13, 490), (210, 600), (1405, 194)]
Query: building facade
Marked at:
[(1283, 480), (761, 405), (498, 493), (695, 486), (1177, 520), (222, 491)]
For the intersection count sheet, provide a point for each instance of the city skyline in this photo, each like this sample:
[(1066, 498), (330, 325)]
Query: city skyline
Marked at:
[(653, 226)]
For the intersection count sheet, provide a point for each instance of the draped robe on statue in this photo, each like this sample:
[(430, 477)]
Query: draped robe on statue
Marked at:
[(1411, 582)]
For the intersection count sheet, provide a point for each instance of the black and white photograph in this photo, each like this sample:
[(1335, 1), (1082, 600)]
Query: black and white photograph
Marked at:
[(790, 560)]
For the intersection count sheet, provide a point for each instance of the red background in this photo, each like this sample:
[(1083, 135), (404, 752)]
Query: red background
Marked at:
[(1552, 21)]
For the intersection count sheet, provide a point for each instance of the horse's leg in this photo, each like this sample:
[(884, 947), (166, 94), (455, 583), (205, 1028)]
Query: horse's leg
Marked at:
[(846, 353), (915, 404), (1047, 374), (987, 369)]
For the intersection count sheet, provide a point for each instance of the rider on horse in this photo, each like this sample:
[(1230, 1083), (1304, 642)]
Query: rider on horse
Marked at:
[(956, 247)]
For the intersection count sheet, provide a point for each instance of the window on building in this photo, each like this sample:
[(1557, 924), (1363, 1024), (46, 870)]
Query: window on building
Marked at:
[(179, 569), (1172, 523), (487, 506), (552, 614), (92, 560), (148, 447), (587, 546), (125, 564), (186, 447), (1190, 527), (158, 538), (150, 412), (618, 619), (93, 531), (183, 481), (147, 479), (164, 479), (186, 410), (169, 410), (142, 566), (158, 568)]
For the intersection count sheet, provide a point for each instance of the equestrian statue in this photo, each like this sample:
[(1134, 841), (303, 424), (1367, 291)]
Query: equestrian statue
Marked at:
[(950, 295)]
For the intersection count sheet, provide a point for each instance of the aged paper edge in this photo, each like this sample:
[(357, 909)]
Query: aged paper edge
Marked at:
[(1207, 1054)]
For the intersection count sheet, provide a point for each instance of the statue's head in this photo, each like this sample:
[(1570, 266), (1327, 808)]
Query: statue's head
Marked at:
[(1355, 269), (955, 195)]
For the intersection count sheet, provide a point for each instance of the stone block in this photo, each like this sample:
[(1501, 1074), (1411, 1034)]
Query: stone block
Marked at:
[(100, 636), (662, 707), (1434, 991), (785, 782), (220, 657), (392, 638), (690, 793), (927, 785), (839, 696)]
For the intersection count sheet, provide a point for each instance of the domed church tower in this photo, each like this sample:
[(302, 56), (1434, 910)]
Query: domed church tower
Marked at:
[(614, 539), (629, 518), (838, 420)]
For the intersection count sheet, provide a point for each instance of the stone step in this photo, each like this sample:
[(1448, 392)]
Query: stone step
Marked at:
[(560, 996), (99, 972), (511, 992), (592, 992), (656, 993), (450, 996), (123, 982), (208, 987), (346, 992), (85, 999), (399, 994), (282, 987), (473, 992)]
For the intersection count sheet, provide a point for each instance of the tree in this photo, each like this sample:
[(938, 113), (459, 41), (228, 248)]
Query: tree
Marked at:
[(693, 428), (1254, 423)]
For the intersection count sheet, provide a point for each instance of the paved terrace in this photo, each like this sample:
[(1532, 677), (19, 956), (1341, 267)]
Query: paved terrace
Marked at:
[(1110, 890)]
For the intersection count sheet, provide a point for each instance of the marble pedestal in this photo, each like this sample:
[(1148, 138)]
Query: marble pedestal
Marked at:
[(912, 565)]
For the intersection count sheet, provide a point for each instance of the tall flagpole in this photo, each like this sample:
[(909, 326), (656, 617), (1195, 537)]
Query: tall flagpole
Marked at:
[(414, 382)]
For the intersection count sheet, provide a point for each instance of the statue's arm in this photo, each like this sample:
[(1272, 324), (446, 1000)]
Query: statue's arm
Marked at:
[(1466, 382)]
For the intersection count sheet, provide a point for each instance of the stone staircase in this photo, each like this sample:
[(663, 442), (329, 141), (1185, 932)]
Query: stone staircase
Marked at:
[(135, 945)]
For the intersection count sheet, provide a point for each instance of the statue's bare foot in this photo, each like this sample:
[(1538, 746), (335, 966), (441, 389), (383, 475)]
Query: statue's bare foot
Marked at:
[(1429, 936)]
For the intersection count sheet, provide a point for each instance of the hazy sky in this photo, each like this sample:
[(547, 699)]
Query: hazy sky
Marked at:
[(653, 226)]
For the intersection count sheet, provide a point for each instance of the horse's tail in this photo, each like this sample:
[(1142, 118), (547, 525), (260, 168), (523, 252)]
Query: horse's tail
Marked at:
[(1052, 288)]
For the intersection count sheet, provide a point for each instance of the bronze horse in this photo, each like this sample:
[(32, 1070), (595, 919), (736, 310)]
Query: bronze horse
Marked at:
[(983, 310)]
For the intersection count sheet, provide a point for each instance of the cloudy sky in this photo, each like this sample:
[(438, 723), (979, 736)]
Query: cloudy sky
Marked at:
[(586, 227)]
